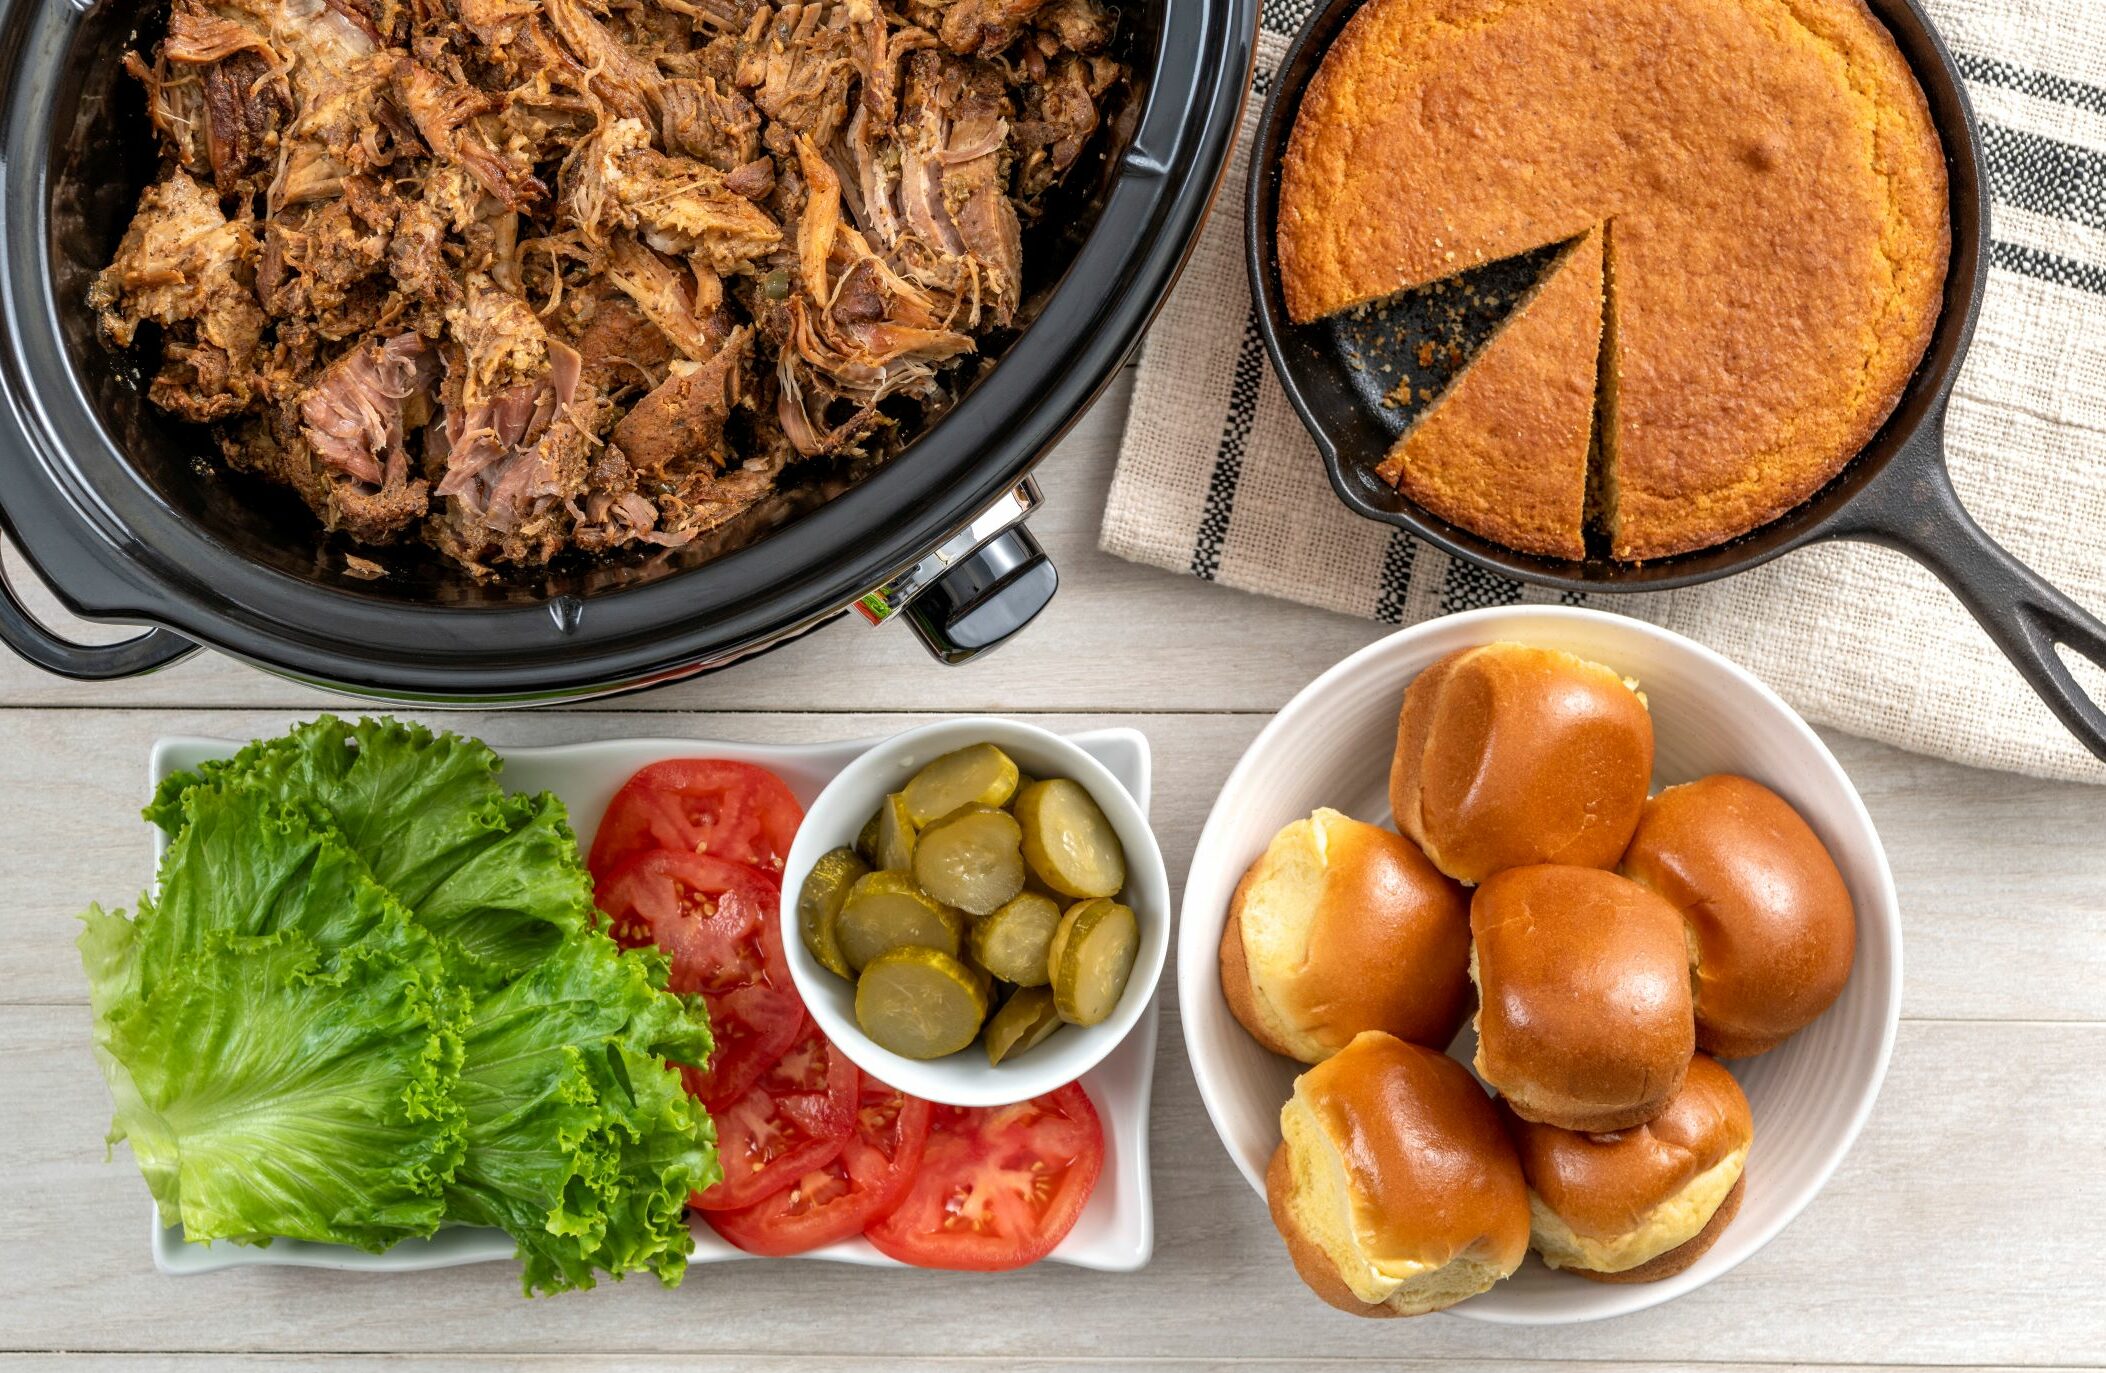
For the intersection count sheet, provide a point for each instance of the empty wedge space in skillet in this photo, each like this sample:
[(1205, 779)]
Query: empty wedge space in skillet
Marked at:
[(1504, 450)]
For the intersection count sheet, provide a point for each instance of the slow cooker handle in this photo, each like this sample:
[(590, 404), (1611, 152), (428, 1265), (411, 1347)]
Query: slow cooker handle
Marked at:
[(978, 588), (149, 652), (1911, 506), (979, 604)]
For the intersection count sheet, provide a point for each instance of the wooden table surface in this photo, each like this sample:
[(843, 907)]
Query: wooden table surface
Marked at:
[(1967, 1227)]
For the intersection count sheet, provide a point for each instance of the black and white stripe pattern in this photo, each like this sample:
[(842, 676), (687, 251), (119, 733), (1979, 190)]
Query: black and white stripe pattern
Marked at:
[(1397, 561), (2062, 271), (1469, 587), (1286, 17), (1989, 71), (1228, 457), (2059, 182)]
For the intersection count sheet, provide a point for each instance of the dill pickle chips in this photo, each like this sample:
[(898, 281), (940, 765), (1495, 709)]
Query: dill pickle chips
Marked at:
[(819, 906), (974, 872)]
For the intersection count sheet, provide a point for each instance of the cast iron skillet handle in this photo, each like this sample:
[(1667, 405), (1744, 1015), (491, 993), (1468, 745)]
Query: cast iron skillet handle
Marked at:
[(986, 598), (1911, 506), (149, 652)]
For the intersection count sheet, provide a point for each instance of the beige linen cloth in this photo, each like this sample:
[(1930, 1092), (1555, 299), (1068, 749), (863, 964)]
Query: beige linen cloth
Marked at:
[(1217, 478)]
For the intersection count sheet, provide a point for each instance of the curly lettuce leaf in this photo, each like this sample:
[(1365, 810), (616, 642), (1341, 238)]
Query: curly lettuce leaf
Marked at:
[(269, 1090), (647, 1221), (401, 795), (247, 863), (515, 899), (498, 873), (581, 1141), (362, 867)]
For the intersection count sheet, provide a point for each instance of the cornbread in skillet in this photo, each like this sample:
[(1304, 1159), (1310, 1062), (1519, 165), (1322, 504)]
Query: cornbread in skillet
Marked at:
[(1503, 451), (1777, 199), (1641, 1204)]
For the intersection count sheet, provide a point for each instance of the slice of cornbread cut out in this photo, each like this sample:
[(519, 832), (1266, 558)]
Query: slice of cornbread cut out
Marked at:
[(1503, 451)]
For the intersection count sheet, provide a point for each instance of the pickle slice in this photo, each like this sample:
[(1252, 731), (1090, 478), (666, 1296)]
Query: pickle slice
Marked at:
[(1067, 840), (1091, 958), (825, 891), (885, 910), (920, 1003), (887, 840), (979, 774), (1013, 940), (1024, 1021), (972, 858)]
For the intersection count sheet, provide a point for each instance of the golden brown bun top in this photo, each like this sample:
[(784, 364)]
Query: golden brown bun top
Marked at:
[(1342, 926), (1605, 1185), (1775, 930), (1509, 755), (1427, 1158), (1584, 984)]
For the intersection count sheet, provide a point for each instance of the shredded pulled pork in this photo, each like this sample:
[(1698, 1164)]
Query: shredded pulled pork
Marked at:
[(517, 277)]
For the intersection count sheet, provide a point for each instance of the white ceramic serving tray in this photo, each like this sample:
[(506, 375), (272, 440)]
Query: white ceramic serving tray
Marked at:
[(1116, 1232)]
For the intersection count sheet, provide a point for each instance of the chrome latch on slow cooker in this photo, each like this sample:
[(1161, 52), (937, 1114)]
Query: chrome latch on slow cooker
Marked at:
[(979, 587)]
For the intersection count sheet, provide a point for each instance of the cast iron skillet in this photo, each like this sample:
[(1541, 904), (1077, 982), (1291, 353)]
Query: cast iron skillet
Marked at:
[(1896, 492)]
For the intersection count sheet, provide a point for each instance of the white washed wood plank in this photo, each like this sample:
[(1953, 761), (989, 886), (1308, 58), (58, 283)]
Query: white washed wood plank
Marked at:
[(788, 1362), (2010, 928), (2002, 881), (1959, 1231), (1208, 648)]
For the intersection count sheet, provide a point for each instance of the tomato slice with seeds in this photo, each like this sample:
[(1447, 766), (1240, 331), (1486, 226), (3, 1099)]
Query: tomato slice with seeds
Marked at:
[(796, 1118), (999, 1186), (719, 922), (829, 1203), (712, 806)]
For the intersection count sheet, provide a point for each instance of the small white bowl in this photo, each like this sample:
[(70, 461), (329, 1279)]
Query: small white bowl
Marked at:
[(966, 1078), (1331, 746)]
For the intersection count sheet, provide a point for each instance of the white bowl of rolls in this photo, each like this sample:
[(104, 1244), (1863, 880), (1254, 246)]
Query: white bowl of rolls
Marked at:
[(1646, 903)]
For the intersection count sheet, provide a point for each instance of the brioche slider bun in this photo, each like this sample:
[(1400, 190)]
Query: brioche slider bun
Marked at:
[(1396, 1186), (1340, 927), (1640, 1204), (1509, 756), (1584, 1017), (1774, 929)]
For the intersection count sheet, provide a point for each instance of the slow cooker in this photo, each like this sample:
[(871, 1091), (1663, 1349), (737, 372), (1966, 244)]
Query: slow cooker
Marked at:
[(116, 507)]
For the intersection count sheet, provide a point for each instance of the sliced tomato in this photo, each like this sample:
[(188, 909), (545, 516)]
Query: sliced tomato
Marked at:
[(712, 806), (798, 1117), (865, 1180), (719, 923), (999, 1186)]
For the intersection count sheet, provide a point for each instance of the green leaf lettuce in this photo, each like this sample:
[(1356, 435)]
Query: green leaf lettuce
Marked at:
[(372, 994), (574, 1052), (270, 1091), (498, 872)]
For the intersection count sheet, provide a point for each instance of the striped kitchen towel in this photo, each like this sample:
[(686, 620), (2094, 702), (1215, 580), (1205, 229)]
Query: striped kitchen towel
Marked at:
[(1217, 478)]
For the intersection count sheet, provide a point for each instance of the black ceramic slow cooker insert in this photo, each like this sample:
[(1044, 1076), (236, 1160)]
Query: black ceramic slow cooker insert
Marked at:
[(112, 502)]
